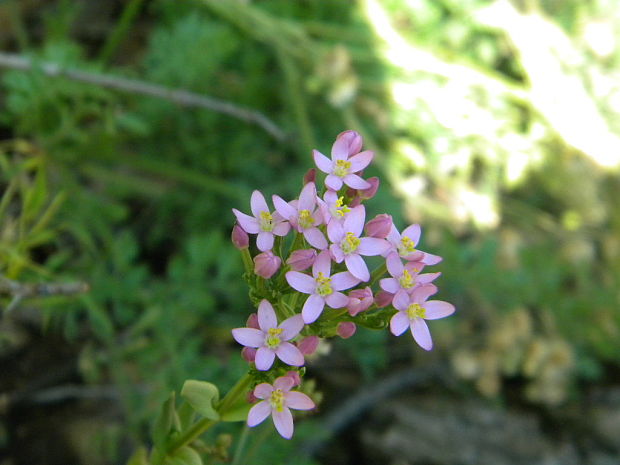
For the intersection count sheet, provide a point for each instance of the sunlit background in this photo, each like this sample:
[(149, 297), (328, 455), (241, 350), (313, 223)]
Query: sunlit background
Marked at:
[(496, 126)]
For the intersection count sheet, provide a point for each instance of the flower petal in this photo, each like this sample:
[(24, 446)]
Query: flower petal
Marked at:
[(248, 223), (283, 422), (420, 294), (394, 265), (291, 327), (283, 208), (361, 160), (298, 401), (282, 228), (301, 282), (333, 182), (264, 241), (399, 323), (344, 280), (354, 181), (436, 309), (336, 253), (337, 300), (264, 358), (421, 334), (258, 204), (312, 308), (322, 264), (335, 232), (322, 162), (371, 246), (263, 390), (249, 337), (315, 238), (354, 222), (426, 278), (430, 259), (258, 413), (340, 149), (285, 383), (266, 316), (413, 232), (401, 301), (390, 285), (357, 266), (290, 354), (307, 198)]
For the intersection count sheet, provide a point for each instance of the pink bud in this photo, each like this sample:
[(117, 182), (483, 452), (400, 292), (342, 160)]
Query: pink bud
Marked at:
[(252, 321), (310, 176), (266, 264), (294, 375), (301, 259), (369, 193), (240, 238), (248, 354), (308, 345), (251, 398), (379, 226), (359, 300), (383, 299), (353, 140), (346, 329)]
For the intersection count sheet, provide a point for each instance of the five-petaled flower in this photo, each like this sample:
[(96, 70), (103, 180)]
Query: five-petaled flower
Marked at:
[(405, 245), (271, 339), (414, 309), (263, 223), (276, 401), (405, 278)]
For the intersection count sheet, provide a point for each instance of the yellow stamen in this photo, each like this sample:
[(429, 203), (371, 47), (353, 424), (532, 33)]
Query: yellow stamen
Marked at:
[(277, 400), (305, 219), (406, 280), (406, 246), (323, 285), (350, 243), (416, 311), (341, 208), (266, 221), (342, 168), (273, 338)]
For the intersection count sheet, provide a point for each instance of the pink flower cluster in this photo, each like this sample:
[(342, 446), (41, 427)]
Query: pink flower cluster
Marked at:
[(328, 239)]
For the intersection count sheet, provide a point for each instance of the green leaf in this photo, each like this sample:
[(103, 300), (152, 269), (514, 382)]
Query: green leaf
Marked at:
[(164, 422), (139, 457), (202, 396), (237, 412), (185, 456)]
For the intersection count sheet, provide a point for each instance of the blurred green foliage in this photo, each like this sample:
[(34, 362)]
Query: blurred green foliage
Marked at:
[(133, 194)]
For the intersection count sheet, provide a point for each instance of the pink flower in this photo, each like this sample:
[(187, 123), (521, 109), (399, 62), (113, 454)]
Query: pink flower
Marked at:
[(262, 223), (308, 345), (383, 299), (414, 309), (303, 216), (277, 400), (405, 245), (380, 226), (341, 168), (359, 195), (405, 278), (348, 246), (322, 288), (351, 140), (302, 259), (240, 238), (271, 339), (346, 329), (359, 300), (333, 207), (266, 264)]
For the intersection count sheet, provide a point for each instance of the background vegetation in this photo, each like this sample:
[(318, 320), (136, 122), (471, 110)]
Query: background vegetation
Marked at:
[(495, 126)]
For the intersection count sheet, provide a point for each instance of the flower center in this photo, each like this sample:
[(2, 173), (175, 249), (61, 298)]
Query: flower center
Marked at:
[(342, 168), (272, 340), (416, 311), (406, 280), (305, 219), (277, 400), (340, 209), (406, 246), (350, 243), (266, 221), (323, 285)]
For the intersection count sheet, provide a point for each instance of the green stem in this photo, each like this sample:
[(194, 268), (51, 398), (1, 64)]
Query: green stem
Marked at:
[(248, 264), (377, 273), (241, 445), (130, 12)]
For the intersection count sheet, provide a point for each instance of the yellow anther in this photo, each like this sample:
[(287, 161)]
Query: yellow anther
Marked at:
[(406, 280), (323, 285), (350, 243), (273, 338), (416, 311), (340, 208), (406, 246), (277, 400), (266, 221), (342, 168), (305, 219)]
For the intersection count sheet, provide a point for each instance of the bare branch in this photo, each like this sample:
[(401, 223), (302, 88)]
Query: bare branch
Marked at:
[(20, 291), (179, 96)]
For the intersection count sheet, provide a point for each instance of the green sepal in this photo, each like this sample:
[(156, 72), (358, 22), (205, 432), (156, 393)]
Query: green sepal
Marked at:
[(202, 396), (184, 456), (165, 421)]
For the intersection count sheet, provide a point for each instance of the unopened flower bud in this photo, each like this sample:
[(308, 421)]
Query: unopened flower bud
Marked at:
[(370, 192), (353, 140), (310, 176), (379, 226), (240, 238), (308, 345), (383, 299), (301, 259), (251, 398), (359, 300), (252, 321), (346, 329), (248, 354), (294, 375), (266, 264)]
